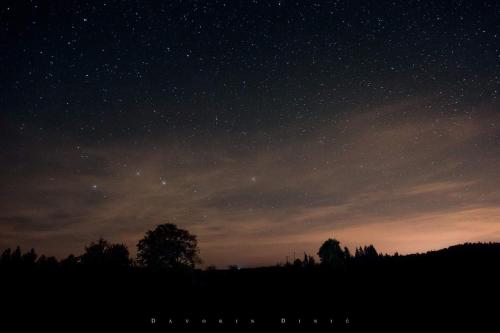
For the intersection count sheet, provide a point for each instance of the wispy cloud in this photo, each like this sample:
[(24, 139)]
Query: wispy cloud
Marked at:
[(382, 176)]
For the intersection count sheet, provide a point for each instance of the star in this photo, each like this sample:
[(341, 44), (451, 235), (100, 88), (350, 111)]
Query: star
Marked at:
[(211, 112)]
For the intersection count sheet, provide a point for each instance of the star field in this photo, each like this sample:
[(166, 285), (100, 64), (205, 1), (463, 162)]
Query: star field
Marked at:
[(264, 127)]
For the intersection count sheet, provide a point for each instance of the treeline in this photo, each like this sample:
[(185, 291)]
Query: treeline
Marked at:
[(100, 254), (168, 247), (165, 247), (331, 254)]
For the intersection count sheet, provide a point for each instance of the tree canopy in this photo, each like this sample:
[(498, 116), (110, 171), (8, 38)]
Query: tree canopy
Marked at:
[(168, 247), (330, 253)]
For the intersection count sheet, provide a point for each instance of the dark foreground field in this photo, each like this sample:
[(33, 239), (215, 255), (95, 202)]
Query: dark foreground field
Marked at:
[(453, 288)]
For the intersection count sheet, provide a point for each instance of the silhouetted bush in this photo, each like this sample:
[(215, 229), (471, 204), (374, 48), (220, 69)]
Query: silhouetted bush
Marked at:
[(105, 254)]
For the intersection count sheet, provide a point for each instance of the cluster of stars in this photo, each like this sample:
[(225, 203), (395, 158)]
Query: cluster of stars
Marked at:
[(126, 100)]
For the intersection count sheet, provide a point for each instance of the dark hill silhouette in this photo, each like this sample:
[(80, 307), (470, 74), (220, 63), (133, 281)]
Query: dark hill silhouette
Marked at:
[(447, 288)]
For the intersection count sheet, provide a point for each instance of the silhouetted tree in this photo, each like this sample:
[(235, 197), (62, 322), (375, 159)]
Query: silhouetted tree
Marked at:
[(29, 258), (95, 253), (330, 253), (371, 253), (168, 247), (70, 261), (15, 257), (104, 254), (366, 254), (308, 260), (118, 255), (47, 262), (297, 263), (5, 259), (359, 253), (347, 254)]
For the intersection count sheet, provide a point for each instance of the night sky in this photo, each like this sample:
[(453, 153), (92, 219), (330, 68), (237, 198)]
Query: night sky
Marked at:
[(263, 127)]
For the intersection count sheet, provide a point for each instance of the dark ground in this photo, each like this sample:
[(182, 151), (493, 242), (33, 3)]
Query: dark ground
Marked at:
[(453, 288)]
